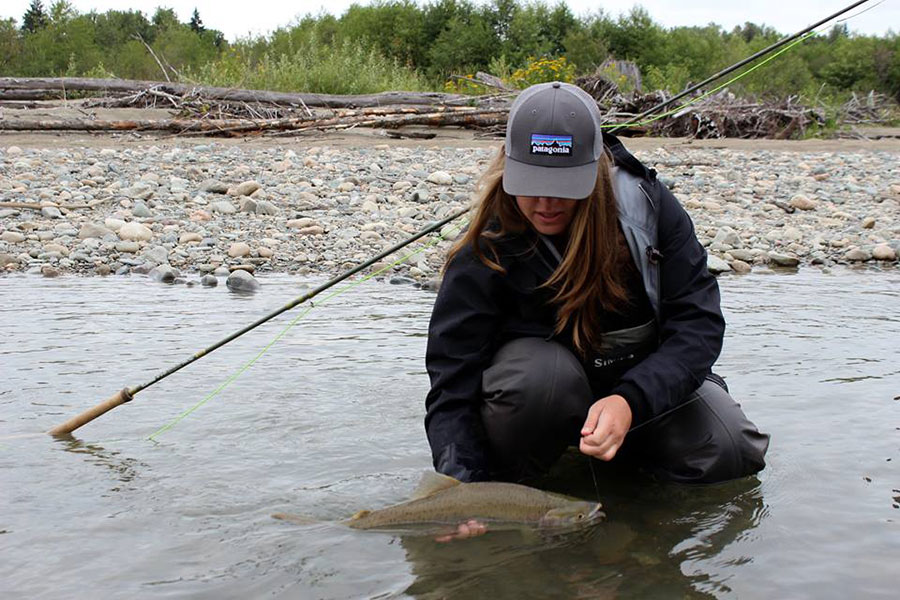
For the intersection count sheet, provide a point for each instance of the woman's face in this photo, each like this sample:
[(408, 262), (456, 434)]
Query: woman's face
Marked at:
[(550, 216)]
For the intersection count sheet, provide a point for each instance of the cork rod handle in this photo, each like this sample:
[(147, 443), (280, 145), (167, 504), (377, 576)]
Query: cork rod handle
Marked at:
[(89, 415)]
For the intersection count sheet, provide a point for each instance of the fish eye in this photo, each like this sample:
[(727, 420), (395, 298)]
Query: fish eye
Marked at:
[(580, 516)]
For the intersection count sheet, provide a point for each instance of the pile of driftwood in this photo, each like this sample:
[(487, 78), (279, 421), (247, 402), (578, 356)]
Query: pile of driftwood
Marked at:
[(869, 109), (204, 110), (717, 116), (227, 111), (725, 116)]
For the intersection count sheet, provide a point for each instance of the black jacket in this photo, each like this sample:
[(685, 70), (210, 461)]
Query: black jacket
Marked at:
[(478, 309)]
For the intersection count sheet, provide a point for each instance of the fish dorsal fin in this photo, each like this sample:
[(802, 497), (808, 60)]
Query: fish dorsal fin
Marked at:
[(432, 483), (360, 515)]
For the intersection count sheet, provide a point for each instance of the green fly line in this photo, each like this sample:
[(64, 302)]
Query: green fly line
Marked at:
[(451, 232), (715, 89)]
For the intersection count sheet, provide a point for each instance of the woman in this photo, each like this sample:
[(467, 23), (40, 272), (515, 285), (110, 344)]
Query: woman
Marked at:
[(578, 310)]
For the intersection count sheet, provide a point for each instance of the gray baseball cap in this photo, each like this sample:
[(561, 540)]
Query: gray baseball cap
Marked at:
[(553, 142)]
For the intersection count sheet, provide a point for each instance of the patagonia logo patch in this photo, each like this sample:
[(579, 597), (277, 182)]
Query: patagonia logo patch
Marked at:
[(551, 145)]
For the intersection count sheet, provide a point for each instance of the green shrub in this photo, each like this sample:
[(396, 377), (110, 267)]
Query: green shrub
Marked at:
[(344, 68)]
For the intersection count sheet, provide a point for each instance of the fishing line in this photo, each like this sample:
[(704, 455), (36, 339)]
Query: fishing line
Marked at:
[(594, 476), (715, 89), (861, 12), (228, 381)]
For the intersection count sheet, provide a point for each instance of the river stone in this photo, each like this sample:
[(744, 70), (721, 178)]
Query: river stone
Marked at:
[(48, 271), (163, 273), (740, 266), (247, 204), (138, 191), (400, 280), (92, 230), (222, 206), (265, 252), (716, 265), (238, 249), (51, 212), (135, 232), (142, 269), (127, 246), (802, 202), (244, 189), (221, 272), (242, 281), (140, 210), (783, 260), (884, 252), (7, 259), (312, 230), (13, 237), (440, 178), (432, 284), (190, 236), (740, 254), (791, 234), (214, 186), (103, 270), (858, 255), (156, 254), (209, 280), (300, 223), (113, 224), (728, 236), (868, 223), (59, 248), (264, 207)]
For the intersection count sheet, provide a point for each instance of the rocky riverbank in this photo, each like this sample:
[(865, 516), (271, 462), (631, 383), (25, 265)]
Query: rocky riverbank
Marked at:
[(184, 210)]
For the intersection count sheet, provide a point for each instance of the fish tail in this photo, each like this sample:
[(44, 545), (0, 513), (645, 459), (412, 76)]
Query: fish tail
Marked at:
[(296, 519)]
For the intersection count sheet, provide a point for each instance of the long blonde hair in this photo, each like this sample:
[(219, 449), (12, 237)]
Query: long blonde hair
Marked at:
[(590, 275)]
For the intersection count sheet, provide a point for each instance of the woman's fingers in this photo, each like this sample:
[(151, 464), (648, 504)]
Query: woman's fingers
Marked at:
[(470, 528), (609, 419), (590, 423), (604, 451)]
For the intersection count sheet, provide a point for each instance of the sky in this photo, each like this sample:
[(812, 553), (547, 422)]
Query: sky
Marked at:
[(239, 19)]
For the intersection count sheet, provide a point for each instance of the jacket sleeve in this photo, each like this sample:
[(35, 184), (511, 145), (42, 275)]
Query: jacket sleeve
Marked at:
[(691, 327), (461, 336)]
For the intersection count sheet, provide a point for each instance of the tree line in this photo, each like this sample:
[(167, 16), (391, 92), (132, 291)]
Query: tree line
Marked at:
[(400, 44)]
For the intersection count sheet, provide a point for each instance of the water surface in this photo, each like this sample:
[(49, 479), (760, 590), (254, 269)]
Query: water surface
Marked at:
[(329, 421)]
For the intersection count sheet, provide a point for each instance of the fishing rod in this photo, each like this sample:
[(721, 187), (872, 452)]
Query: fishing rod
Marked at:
[(737, 65), (127, 394)]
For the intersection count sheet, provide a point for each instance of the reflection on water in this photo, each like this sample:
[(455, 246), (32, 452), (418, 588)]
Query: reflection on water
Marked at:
[(329, 422), (611, 560)]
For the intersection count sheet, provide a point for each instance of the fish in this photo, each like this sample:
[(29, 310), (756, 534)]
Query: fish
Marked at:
[(440, 500)]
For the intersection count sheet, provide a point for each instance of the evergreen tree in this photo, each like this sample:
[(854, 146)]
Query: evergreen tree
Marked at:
[(196, 24), (35, 18)]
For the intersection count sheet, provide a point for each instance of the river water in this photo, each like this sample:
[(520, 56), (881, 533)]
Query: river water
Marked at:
[(329, 421)]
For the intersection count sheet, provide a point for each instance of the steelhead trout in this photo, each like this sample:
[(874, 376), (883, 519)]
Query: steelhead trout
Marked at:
[(442, 500)]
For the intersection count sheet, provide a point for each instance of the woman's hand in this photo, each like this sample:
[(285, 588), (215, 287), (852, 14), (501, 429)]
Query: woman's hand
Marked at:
[(470, 528), (608, 420)]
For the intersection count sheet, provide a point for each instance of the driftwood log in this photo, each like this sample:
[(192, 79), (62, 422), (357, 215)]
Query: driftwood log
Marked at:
[(399, 118), (219, 93), (37, 94)]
